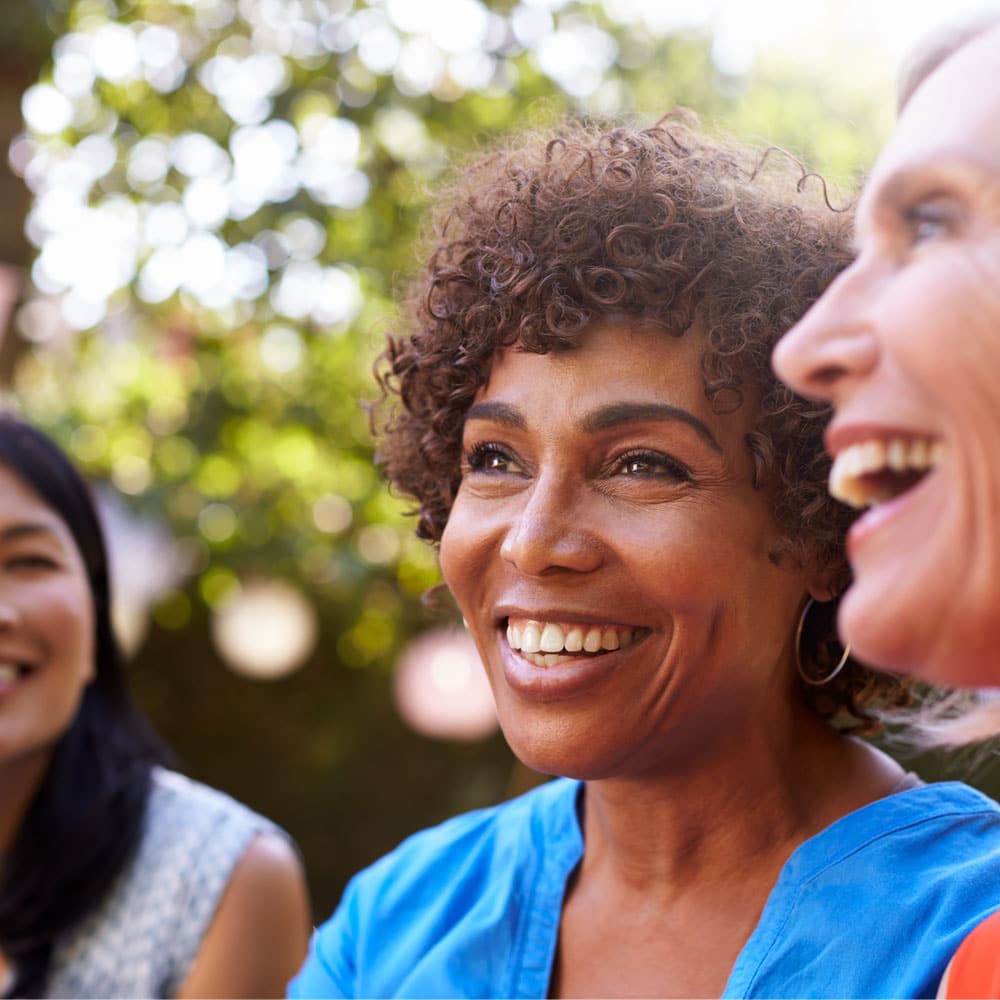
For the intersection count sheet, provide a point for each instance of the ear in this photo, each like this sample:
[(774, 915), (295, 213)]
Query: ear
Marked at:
[(821, 586)]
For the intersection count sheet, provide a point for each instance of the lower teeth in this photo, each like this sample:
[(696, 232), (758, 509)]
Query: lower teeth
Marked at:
[(544, 659), (551, 659)]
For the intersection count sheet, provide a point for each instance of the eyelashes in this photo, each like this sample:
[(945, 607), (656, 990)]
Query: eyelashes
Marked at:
[(652, 464), (31, 562), (491, 458), (488, 456)]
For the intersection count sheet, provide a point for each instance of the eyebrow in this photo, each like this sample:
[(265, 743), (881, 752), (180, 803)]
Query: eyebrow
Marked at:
[(618, 414), (24, 530), (499, 413), (606, 418), (938, 164)]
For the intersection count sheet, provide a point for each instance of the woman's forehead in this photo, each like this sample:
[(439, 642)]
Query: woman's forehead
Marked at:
[(614, 363), (607, 351)]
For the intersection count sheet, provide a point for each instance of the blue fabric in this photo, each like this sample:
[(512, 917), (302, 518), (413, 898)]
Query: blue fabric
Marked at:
[(874, 906)]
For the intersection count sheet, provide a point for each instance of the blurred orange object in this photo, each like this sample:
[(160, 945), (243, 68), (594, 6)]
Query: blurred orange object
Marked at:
[(975, 969)]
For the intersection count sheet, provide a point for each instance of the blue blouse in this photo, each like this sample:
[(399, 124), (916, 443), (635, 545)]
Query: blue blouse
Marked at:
[(873, 906)]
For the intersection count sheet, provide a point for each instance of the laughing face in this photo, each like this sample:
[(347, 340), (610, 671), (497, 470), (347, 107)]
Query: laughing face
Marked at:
[(612, 558), (46, 625), (906, 345)]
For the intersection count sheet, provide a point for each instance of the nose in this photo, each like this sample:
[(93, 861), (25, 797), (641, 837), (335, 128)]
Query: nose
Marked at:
[(550, 531), (834, 343)]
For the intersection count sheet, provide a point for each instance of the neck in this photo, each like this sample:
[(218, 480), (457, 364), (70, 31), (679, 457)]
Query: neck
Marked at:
[(19, 781), (744, 804)]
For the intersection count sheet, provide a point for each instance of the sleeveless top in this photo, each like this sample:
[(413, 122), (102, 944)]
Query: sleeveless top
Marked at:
[(975, 969), (141, 940)]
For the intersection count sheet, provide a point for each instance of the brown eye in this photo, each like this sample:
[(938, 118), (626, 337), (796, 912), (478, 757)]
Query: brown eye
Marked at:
[(652, 464), (489, 457)]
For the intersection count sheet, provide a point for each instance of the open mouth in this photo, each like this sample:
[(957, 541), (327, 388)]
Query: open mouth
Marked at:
[(10, 672), (546, 644), (877, 470)]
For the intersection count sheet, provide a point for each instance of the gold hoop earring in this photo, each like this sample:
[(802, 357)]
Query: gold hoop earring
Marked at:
[(815, 681)]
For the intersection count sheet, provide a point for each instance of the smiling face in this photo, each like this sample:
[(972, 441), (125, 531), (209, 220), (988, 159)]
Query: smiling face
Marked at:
[(906, 345), (46, 624), (611, 557)]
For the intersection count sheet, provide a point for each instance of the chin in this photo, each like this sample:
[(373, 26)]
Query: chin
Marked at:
[(881, 638), (554, 755), (555, 763), (933, 646)]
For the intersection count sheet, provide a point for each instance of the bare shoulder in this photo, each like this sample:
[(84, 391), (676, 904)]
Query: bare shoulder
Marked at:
[(260, 933), (269, 864)]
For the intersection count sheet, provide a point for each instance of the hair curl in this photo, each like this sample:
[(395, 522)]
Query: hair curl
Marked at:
[(664, 226)]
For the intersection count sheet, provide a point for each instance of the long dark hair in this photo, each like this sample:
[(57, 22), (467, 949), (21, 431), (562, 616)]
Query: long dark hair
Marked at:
[(86, 817)]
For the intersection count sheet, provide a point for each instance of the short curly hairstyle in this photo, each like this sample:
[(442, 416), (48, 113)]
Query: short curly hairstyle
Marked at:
[(664, 226)]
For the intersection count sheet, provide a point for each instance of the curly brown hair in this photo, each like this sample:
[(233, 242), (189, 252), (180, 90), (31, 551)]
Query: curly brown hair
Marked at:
[(663, 226)]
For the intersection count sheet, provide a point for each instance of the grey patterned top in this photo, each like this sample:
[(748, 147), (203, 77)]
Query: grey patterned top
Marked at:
[(142, 939)]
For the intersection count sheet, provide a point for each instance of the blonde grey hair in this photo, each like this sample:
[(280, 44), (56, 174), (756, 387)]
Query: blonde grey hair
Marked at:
[(960, 719)]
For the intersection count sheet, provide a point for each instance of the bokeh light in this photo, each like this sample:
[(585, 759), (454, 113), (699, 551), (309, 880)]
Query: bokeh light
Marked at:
[(441, 688), (145, 564), (265, 629)]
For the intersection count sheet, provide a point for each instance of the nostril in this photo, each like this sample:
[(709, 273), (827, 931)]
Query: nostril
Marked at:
[(827, 375)]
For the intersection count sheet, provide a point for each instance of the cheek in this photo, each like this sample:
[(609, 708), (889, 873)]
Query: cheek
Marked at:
[(946, 326), (456, 556), (69, 611)]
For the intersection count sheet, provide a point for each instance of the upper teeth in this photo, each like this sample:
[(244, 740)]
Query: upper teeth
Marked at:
[(867, 457), (550, 637), (8, 671)]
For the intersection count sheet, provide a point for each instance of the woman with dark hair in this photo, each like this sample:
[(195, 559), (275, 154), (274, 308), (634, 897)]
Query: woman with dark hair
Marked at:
[(118, 878), (632, 519), (906, 347)]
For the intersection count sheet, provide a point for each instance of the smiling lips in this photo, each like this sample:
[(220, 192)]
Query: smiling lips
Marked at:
[(546, 644), (873, 471), (10, 672)]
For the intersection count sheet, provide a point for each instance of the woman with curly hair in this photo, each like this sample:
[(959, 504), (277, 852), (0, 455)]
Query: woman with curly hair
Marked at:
[(632, 518)]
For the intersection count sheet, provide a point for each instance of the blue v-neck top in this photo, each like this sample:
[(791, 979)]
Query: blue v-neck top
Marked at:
[(873, 906)]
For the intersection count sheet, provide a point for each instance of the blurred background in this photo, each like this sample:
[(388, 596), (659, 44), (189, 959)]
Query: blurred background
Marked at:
[(208, 205)]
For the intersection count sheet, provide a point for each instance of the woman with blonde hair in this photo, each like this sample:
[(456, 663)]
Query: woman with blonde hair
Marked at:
[(905, 345)]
